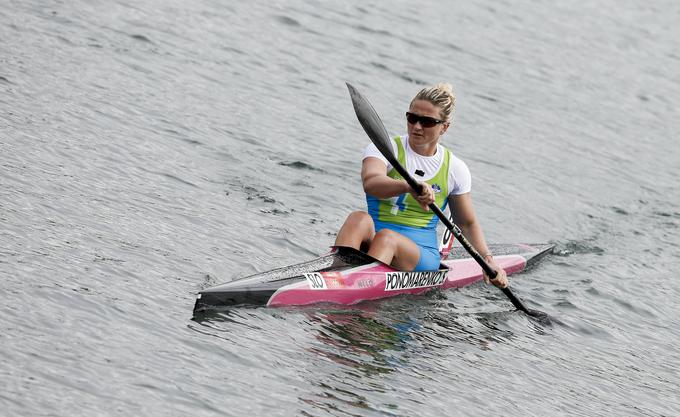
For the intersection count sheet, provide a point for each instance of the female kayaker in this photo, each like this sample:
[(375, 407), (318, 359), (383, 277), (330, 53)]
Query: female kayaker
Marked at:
[(399, 229)]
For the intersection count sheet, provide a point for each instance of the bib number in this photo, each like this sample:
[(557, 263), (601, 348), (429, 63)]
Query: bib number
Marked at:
[(316, 281)]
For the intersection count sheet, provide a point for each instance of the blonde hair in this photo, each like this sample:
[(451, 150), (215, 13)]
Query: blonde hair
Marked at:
[(441, 95)]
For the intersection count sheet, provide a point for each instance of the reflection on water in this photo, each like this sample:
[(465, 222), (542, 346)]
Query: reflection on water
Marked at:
[(366, 359), (367, 346), (359, 339), (388, 346)]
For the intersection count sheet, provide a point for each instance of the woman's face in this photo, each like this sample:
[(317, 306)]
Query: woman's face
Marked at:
[(424, 139)]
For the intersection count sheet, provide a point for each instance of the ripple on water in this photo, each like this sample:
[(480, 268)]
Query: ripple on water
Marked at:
[(301, 166), (577, 248), (288, 21)]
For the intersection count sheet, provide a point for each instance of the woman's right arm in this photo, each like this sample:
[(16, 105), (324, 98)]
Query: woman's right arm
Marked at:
[(377, 183)]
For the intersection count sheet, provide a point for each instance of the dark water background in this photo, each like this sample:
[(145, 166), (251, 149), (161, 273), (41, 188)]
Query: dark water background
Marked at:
[(151, 149)]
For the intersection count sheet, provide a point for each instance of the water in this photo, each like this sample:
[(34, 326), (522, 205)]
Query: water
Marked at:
[(151, 150)]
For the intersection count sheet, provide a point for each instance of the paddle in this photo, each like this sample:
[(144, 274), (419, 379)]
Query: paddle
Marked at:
[(375, 129)]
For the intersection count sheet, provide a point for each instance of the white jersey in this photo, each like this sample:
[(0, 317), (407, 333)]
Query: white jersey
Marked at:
[(459, 180)]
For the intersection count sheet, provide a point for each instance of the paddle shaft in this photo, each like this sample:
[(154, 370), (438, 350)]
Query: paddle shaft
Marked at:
[(455, 230)]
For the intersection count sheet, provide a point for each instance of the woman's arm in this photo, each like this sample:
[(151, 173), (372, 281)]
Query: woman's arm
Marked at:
[(464, 216), (378, 184)]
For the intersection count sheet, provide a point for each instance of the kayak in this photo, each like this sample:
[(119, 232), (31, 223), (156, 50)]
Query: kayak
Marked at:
[(347, 276)]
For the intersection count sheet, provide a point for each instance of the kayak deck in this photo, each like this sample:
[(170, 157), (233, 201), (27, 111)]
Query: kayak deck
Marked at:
[(348, 276)]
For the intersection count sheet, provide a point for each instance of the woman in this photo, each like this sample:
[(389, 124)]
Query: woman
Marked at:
[(399, 229)]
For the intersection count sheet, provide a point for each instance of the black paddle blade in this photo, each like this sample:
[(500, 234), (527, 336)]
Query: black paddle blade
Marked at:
[(536, 314), (543, 318), (539, 315), (370, 121)]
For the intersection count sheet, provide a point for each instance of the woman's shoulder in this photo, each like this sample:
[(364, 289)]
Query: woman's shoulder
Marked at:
[(454, 157), (371, 151), (460, 178), (457, 166)]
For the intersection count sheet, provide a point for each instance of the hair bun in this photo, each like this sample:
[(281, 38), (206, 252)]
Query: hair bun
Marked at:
[(445, 87)]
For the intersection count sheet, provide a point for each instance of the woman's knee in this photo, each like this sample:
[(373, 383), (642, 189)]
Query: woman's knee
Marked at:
[(395, 249), (359, 219), (386, 238), (357, 231)]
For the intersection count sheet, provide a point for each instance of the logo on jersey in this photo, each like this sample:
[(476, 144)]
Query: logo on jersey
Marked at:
[(437, 189)]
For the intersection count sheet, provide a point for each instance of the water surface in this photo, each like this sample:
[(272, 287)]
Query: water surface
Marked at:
[(151, 150)]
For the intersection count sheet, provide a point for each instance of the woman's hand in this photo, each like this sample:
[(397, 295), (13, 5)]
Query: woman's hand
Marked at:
[(501, 280), (426, 196)]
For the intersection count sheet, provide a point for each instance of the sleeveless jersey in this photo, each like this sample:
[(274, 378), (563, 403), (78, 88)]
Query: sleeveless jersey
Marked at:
[(404, 210)]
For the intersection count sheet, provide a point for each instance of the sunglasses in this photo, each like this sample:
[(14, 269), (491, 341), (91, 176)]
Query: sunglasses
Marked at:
[(425, 121)]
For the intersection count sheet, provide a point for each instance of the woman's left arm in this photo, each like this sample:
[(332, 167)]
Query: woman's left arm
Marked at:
[(464, 216)]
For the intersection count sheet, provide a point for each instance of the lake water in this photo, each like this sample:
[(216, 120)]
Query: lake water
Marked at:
[(152, 149)]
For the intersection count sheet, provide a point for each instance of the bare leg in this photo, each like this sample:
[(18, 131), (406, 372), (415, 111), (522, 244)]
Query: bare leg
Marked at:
[(357, 231), (395, 249)]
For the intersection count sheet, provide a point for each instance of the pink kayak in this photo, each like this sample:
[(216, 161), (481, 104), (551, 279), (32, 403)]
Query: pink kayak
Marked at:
[(348, 276)]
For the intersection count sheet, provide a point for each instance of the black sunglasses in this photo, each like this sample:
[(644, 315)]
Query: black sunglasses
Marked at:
[(425, 121)]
